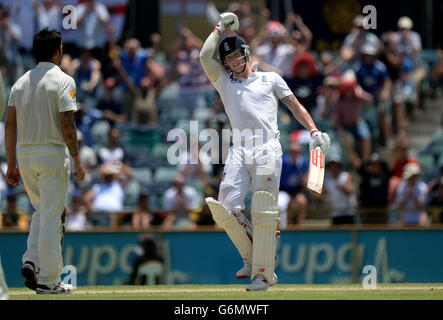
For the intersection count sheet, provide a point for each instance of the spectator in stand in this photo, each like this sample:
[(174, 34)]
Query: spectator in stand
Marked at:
[(411, 197), (306, 80), (351, 48), (372, 75), (339, 185), (92, 21), (13, 216), (48, 13), (300, 35), (391, 57), (275, 52), (189, 73), (347, 115), (10, 36), (437, 75), (154, 52), (179, 200), (293, 181), (141, 219), (111, 108), (436, 197), (87, 157), (77, 218), (86, 72), (113, 152), (326, 100), (374, 186), (329, 66), (108, 196), (145, 105), (409, 45), (131, 66)]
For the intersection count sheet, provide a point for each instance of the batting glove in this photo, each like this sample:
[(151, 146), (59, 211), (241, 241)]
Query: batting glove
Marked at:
[(228, 21), (320, 139)]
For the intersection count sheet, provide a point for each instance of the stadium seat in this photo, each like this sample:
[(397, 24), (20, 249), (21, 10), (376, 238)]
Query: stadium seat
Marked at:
[(143, 175), (160, 150), (165, 174), (132, 191), (100, 131)]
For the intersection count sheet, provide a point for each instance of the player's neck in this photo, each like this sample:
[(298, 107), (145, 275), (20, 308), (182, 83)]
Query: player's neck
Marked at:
[(248, 71)]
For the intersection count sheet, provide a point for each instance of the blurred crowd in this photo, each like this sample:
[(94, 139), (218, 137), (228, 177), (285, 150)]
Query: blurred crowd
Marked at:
[(130, 97)]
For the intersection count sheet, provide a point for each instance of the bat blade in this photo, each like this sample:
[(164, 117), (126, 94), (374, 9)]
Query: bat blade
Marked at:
[(316, 171)]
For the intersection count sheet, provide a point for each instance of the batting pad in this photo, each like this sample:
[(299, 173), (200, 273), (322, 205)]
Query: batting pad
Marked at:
[(265, 217), (236, 231)]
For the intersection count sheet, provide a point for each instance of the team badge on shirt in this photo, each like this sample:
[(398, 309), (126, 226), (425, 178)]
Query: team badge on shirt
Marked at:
[(263, 79), (72, 94)]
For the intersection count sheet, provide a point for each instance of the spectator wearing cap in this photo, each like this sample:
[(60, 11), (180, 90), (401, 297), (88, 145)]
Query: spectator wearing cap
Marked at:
[(78, 216), (111, 109), (10, 36), (306, 80), (353, 42), (107, 196), (339, 185), (13, 216), (372, 75), (410, 47), (411, 197), (293, 181), (347, 116)]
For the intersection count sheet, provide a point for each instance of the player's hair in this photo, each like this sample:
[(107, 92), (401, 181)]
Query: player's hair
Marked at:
[(45, 44)]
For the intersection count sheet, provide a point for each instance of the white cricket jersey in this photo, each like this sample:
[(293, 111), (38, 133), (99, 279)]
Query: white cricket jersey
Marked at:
[(252, 103), (39, 96)]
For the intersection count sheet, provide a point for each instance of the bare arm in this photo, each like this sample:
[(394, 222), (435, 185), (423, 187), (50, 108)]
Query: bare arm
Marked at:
[(300, 113), (211, 67), (11, 136), (69, 132), (12, 175)]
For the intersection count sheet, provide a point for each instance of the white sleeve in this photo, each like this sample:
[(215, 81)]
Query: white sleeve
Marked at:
[(67, 95), (102, 11), (211, 67), (11, 100), (281, 88)]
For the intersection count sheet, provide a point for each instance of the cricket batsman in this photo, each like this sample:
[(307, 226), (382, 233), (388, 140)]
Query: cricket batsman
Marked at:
[(254, 160), (39, 131)]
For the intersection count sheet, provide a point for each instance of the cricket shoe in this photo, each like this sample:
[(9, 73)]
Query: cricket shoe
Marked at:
[(261, 284), (60, 288), (244, 272), (29, 272)]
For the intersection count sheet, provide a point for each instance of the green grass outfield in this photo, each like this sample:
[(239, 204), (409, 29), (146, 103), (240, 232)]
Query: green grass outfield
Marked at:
[(233, 292)]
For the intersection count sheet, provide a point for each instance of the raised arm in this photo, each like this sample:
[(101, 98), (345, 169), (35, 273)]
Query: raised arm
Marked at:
[(211, 67), (228, 21)]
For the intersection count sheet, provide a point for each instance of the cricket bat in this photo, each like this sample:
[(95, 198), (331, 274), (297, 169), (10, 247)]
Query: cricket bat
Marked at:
[(316, 171)]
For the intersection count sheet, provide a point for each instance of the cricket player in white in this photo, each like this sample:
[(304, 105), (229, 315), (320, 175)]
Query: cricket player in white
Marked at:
[(254, 161), (41, 115)]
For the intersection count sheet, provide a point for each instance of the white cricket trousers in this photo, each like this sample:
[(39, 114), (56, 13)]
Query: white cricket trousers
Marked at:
[(256, 169), (45, 171)]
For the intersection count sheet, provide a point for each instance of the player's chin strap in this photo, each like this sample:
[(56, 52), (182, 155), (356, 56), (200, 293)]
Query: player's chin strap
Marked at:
[(265, 217), (246, 55)]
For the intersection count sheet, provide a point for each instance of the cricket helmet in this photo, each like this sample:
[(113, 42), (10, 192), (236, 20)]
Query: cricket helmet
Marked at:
[(230, 45)]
